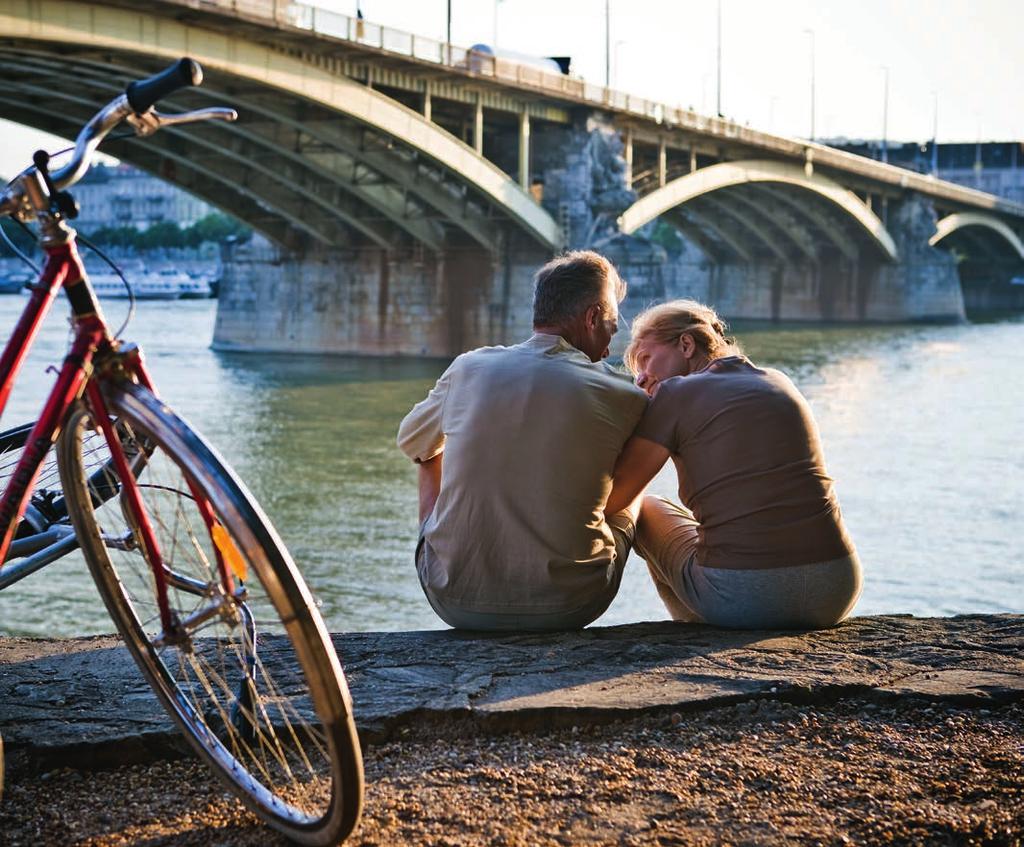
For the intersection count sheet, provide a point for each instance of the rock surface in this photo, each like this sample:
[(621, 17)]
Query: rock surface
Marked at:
[(81, 702)]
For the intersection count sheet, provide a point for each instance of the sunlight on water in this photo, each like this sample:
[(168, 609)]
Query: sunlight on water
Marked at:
[(922, 428)]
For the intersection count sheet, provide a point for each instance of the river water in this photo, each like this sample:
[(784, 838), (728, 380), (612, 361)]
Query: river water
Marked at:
[(923, 428)]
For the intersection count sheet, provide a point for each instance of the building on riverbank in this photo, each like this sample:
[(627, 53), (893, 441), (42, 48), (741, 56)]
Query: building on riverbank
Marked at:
[(123, 196)]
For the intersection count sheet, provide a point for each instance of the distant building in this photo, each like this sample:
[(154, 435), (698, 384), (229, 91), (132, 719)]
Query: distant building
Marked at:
[(995, 167), (120, 195)]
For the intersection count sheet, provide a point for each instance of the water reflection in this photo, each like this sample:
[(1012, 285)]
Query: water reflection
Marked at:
[(921, 426)]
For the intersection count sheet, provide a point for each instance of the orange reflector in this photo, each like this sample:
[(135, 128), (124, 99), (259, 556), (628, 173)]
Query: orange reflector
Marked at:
[(230, 554)]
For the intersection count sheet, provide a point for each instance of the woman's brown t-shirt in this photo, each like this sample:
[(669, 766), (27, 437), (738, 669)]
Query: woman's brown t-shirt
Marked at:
[(750, 466)]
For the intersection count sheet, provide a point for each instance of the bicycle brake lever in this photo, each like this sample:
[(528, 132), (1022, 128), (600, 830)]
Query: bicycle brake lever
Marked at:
[(151, 120)]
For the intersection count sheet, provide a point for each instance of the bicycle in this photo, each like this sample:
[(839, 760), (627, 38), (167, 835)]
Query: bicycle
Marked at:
[(197, 581)]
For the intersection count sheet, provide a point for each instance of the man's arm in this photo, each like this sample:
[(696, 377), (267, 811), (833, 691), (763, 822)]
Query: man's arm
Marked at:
[(637, 465), (421, 434), (430, 484), (421, 437)]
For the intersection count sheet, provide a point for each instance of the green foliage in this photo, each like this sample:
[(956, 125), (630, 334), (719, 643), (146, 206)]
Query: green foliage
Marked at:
[(668, 237), (162, 234), (115, 236), (214, 227), (219, 228)]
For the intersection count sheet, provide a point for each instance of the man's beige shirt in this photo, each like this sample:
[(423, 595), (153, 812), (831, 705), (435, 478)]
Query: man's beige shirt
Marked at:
[(530, 436)]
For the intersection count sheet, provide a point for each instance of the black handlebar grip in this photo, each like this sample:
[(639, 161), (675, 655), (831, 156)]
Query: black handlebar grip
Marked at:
[(143, 93)]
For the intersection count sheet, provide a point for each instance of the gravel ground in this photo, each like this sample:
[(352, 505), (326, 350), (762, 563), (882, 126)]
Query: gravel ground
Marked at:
[(755, 774)]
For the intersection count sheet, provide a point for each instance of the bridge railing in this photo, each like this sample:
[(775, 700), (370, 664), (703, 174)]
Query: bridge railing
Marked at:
[(336, 25)]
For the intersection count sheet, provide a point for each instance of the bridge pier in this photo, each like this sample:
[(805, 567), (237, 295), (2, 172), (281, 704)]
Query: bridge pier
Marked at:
[(368, 301)]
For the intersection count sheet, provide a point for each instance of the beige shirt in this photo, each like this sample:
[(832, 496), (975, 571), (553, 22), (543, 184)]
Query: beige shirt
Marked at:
[(530, 436), (750, 466)]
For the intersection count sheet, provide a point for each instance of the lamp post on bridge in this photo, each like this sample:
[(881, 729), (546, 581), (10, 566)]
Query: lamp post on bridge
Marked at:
[(607, 43), (810, 32), (885, 116), (935, 134), (718, 109)]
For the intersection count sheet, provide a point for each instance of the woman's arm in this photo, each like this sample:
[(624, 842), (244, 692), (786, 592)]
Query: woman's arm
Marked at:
[(638, 462)]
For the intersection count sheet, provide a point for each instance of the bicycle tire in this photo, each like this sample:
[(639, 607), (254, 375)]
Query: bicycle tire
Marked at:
[(274, 722)]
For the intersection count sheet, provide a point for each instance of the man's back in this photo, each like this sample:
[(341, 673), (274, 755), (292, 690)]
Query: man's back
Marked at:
[(530, 436)]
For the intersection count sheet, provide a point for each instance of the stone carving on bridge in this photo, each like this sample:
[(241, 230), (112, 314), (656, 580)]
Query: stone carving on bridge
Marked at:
[(584, 175)]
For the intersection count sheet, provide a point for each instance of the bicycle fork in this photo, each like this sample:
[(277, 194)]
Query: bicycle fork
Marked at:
[(227, 603)]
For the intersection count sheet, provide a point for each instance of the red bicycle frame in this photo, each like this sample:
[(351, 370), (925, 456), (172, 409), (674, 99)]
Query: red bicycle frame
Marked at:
[(92, 339)]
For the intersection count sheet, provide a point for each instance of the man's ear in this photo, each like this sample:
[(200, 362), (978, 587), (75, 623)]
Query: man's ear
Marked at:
[(593, 316)]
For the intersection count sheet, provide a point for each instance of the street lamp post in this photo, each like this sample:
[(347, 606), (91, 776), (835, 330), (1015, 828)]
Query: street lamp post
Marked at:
[(935, 133), (885, 116), (607, 43), (719, 96), (810, 32), (448, 35)]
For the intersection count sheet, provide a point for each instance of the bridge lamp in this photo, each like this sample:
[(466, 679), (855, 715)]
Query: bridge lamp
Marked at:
[(608, 43), (810, 32), (885, 115), (719, 59)]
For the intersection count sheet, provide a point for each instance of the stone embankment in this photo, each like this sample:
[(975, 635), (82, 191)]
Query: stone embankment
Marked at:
[(81, 703)]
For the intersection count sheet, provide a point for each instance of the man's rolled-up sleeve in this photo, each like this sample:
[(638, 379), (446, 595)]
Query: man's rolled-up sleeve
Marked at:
[(421, 433)]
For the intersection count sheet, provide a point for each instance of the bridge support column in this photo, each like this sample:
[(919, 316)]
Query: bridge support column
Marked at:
[(524, 149), (627, 153), (427, 108), (478, 126), (924, 284)]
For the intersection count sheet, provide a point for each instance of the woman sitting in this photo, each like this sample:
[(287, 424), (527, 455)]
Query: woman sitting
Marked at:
[(762, 544)]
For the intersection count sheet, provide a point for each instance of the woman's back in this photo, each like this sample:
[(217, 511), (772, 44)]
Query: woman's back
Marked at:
[(750, 466)]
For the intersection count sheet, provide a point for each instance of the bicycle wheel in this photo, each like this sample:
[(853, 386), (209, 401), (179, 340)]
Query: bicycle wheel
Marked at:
[(250, 676)]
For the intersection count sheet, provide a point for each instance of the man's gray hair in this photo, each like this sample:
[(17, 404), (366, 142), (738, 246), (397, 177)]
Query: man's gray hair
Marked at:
[(570, 284)]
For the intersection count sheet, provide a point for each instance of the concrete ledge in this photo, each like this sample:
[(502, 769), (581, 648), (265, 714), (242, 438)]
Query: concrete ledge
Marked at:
[(82, 703)]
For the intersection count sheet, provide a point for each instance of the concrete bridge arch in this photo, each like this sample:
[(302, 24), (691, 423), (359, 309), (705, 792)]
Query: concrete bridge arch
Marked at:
[(781, 241), (329, 162), (989, 257), (755, 194), (953, 228)]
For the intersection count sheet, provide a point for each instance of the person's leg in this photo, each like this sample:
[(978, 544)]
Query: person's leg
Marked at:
[(666, 539)]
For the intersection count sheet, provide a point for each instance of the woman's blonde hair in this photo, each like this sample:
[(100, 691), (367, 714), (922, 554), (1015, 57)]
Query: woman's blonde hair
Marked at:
[(668, 322)]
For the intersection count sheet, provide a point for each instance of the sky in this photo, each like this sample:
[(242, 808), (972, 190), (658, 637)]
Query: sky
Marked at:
[(964, 56)]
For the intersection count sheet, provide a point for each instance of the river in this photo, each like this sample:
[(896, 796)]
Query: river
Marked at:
[(923, 428)]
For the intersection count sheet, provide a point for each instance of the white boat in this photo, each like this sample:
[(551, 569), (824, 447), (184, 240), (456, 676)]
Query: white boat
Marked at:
[(165, 284), (195, 287)]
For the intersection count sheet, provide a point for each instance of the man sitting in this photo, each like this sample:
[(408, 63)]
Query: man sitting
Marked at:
[(513, 533)]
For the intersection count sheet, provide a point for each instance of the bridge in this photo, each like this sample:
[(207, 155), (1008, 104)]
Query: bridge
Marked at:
[(409, 187)]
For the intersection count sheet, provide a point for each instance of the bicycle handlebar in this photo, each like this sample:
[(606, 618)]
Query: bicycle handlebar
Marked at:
[(143, 94), (135, 106)]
